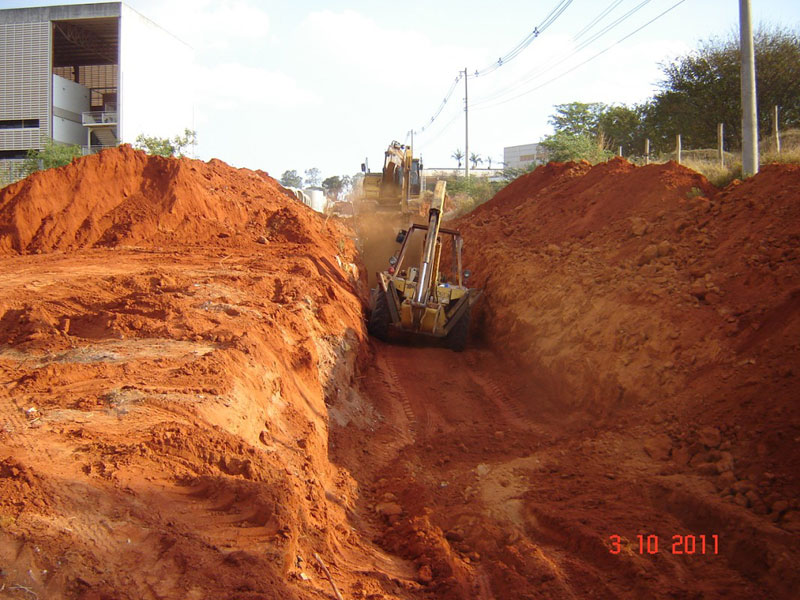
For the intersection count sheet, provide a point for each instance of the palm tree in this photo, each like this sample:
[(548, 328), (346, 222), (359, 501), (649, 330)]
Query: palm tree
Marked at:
[(475, 159), (489, 161), (458, 155)]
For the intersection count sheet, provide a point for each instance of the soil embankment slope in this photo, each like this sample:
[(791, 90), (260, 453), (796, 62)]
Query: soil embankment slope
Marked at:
[(171, 333)]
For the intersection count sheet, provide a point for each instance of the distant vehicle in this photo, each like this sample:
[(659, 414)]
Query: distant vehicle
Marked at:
[(396, 186)]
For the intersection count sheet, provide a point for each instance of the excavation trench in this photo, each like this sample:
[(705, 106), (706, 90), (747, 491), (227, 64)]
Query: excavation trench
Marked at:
[(488, 488), (620, 426), (191, 407)]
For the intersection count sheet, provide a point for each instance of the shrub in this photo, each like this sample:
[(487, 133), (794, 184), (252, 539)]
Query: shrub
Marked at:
[(563, 147), (469, 193), (166, 146), (52, 155)]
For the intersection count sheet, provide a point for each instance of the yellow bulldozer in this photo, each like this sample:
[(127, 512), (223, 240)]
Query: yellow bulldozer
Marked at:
[(423, 291)]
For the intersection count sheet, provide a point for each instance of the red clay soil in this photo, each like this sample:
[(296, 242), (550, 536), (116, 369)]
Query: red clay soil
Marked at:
[(624, 426), (191, 408), (644, 302), (170, 333)]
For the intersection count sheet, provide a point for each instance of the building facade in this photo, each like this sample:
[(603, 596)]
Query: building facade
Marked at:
[(92, 75), (520, 157)]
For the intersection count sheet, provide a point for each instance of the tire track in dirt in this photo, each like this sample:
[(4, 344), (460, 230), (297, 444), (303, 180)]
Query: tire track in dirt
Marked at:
[(396, 390), (509, 406), (12, 420), (90, 525), (237, 517)]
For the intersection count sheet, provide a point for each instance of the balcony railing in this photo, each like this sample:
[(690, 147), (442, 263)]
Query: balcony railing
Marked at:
[(94, 149), (99, 118)]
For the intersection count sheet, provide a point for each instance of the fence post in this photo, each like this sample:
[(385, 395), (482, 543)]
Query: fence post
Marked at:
[(620, 150), (647, 151), (678, 148), (777, 132), (720, 144)]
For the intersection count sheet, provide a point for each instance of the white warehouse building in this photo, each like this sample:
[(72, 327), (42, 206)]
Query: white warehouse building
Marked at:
[(94, 75), (520, 157)]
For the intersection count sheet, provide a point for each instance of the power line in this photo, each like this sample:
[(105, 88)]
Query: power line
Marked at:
[(611, 26), (537, 31), (444, 102), (597, 19), (591, 58), (443, 129), (513, 53), (539, 71)]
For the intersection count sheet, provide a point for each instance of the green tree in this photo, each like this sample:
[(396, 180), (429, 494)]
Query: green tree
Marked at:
[(577, 118), (332, 186), (52, 155), (458, 155), (624, 126), (587, 130), (166, 146), (475, 159), (702, 89), (291, 179), (313, 176)]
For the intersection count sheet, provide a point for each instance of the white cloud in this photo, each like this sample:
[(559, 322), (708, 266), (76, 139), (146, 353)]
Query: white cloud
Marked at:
[(209, 24), (392, 57), (234, 86)]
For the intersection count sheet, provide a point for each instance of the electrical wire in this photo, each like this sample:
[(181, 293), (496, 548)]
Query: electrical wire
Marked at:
[(442, 105), (513, 53), (597, 19), (611, 26), (539, 71), (517, 50), (591, 58), (444, 128)]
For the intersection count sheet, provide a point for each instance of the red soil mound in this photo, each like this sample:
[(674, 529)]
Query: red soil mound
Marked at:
[(563, 201), (645, 289), (164, 407), (125, 197)]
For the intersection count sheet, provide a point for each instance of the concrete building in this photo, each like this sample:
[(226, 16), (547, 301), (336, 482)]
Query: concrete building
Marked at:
[(94, 75), (519, 157)]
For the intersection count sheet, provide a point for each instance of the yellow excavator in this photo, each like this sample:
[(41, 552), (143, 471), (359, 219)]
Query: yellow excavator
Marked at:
[(398, 185), (429, 299)]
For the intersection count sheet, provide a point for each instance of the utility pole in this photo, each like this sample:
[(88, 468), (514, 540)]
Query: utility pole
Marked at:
[(466, 126), (749, 120)]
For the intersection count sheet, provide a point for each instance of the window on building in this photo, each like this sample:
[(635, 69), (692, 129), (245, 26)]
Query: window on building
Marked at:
[(13, 154), (19, 124)]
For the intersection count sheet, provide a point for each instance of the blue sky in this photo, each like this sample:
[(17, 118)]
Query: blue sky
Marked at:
[(294, 85)]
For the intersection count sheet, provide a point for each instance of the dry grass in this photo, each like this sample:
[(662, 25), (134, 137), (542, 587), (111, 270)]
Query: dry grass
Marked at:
[(706, 161), (786, 156), (717, 174)]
